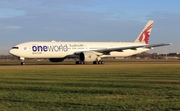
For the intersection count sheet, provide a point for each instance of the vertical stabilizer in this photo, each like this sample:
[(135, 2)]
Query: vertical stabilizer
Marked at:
[(145, 34)]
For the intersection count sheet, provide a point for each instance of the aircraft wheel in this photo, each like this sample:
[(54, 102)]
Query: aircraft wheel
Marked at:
[(22, 63), (98, 62), (84, 62), (95, 62), (101, 62), (80, 62)]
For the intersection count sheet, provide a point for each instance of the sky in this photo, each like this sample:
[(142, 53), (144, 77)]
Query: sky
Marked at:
[(89, 20)]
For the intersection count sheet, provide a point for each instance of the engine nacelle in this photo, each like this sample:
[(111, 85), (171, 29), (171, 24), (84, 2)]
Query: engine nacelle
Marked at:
[(87, 56), (56, 59)]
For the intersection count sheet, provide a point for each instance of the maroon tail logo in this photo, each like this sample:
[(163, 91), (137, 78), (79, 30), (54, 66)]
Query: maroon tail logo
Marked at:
[(145, 35)]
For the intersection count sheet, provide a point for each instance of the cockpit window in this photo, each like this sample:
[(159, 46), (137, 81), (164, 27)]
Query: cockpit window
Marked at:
[(15, 47)]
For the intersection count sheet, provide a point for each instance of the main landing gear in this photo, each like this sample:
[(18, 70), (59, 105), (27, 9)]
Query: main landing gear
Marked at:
[(81, 62), (95, 62), (98, 62)]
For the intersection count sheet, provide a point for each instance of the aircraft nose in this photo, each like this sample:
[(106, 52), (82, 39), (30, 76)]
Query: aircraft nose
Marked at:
[(11, 51), (14, 51)]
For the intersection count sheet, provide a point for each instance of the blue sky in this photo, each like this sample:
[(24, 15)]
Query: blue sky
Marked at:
[(88, 20)]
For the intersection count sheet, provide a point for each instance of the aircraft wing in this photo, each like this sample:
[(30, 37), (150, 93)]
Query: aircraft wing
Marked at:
[(156, 45), (120, 49), (107, 51)]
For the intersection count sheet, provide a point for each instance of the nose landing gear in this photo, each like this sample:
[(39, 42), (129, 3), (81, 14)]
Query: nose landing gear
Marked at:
[(22, 60), (22, 63)]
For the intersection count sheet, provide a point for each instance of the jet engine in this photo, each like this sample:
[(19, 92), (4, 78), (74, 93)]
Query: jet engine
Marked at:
[(56, 59), (87, 56)]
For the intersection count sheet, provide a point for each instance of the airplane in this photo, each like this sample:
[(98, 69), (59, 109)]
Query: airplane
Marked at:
[(85, 51)]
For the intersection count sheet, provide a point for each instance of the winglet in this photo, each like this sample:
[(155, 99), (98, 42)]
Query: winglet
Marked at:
[(145, 34)]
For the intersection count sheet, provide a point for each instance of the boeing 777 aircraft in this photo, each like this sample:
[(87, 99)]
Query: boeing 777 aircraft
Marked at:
[(85, 51)]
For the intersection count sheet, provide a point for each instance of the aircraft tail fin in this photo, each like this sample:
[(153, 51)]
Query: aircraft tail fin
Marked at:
[(145, 34)]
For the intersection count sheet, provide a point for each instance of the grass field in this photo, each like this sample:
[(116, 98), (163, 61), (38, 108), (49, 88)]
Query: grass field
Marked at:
[(121, 85)]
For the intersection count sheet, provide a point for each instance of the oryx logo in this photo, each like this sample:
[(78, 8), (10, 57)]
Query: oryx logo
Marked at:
[(145, 34)]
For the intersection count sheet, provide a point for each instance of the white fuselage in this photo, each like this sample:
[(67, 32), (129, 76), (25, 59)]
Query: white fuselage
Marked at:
[(68, 49), (85, 51)]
